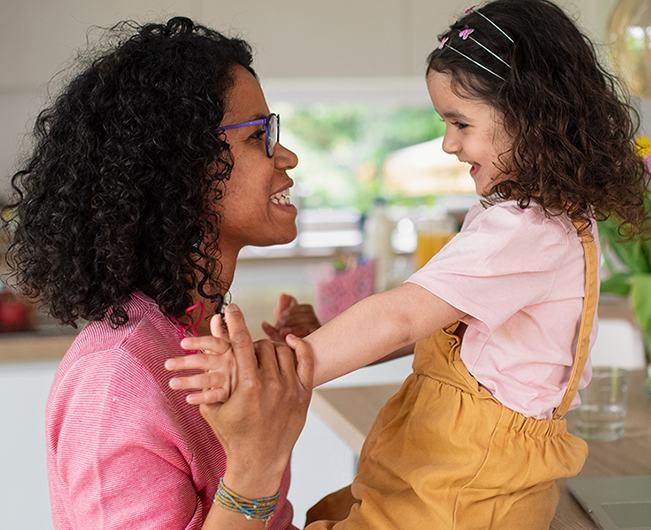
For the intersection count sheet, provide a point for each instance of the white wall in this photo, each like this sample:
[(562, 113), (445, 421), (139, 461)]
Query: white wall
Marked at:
[(292, 38)]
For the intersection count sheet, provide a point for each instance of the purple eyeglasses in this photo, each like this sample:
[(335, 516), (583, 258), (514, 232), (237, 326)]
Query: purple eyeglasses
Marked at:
[(271, 126)]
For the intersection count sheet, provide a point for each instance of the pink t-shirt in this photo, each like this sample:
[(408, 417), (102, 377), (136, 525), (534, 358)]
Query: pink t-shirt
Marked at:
[(520, 277), (123, 449)]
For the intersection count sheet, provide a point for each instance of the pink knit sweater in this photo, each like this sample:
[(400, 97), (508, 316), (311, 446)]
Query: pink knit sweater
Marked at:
[(123, 449)]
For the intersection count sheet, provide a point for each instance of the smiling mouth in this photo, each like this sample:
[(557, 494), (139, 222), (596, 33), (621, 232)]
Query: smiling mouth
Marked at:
[(281, 198)]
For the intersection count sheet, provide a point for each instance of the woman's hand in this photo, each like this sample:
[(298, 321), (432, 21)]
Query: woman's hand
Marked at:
[(260, 422), (291, 317)]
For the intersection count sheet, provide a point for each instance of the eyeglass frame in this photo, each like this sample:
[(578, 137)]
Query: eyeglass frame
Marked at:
[(265, 122)]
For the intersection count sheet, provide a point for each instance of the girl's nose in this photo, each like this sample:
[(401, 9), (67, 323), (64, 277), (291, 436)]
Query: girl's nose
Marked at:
[(450, 144), (284, 158)]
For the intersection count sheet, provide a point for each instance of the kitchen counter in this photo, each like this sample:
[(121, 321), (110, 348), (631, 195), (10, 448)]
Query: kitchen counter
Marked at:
[(45, 344)]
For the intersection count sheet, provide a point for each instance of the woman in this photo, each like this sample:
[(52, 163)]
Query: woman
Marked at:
[(157, 163)]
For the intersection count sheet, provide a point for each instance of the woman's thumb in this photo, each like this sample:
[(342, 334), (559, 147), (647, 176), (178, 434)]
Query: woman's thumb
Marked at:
[(304, 360)]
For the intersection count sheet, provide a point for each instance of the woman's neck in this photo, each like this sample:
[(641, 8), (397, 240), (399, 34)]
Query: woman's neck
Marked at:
[(228, 261)]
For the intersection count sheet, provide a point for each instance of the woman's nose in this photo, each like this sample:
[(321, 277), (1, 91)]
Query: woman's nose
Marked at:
[(284, 158)]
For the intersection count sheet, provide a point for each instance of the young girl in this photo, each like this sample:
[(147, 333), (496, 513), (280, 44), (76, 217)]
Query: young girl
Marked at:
[(504, 315)]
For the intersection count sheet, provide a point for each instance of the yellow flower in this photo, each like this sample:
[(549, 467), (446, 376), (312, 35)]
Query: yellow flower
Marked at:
[(643, 146)]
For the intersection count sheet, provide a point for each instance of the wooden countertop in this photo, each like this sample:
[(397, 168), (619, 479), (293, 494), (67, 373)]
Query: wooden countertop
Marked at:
[(45, 344), (350, 412)]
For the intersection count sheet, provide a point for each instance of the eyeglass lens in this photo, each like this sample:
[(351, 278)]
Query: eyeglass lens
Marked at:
[(272, 133)]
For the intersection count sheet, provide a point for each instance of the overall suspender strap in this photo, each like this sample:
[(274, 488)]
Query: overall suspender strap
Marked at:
[(587, 319)]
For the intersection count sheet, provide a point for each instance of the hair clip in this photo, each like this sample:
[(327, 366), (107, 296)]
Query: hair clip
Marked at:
[(489, 20), (442, 43), (465, 34), (473, 61)]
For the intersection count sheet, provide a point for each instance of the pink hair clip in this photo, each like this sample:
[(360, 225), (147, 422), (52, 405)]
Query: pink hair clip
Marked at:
[(442, 43), (466, 33), (469, 9)]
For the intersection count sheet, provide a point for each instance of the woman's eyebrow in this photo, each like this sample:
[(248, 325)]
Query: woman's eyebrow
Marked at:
[(257, 116)]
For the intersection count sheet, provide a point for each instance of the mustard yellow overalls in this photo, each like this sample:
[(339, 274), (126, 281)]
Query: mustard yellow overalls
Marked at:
[(443, 453)]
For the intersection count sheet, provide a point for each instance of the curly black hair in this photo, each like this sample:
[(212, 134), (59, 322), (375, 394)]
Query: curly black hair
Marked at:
[(572, 127), (119, 192)]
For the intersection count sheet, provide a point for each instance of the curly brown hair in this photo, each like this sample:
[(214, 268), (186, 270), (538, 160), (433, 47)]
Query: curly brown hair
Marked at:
[(120, 190), (573, 131)]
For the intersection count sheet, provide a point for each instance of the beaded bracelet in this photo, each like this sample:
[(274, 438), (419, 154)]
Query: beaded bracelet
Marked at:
[(261, 509)]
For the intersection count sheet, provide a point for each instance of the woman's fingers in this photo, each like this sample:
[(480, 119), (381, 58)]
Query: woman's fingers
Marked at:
[(291, 317), (304, 361), (267, 360), (285, 302), (271, 332), (241, 342), (299, 320)]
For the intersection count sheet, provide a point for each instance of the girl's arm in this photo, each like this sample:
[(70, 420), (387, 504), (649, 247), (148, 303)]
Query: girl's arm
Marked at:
[(375, 327), (300, 320), (367, 332)]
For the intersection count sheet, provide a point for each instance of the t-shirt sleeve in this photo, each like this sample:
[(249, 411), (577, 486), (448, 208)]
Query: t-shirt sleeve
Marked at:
[(503, 260), (117, 449)]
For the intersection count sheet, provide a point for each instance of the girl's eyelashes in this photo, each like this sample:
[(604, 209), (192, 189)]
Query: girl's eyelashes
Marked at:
[(258, 135), (456, 123)]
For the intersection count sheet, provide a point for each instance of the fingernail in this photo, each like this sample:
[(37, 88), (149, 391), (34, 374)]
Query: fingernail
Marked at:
[(290, 336), (169, 364), (175, 383), (231, 308)]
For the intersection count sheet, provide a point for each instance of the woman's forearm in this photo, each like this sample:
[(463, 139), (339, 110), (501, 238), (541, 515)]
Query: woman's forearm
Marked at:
[(220, 518)]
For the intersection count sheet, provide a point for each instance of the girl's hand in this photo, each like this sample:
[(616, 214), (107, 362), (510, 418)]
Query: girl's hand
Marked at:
[(218, 363), (291, 317), (260, 422)]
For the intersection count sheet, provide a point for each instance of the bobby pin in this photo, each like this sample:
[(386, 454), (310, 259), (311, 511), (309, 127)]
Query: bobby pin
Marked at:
[(489, 20), (465, 34), (444, 43)]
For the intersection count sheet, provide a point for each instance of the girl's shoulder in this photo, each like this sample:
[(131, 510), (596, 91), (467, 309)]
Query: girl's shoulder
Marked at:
[(509, 217)]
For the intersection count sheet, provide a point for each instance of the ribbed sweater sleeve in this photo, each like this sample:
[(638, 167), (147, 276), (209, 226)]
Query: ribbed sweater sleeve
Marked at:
[(124, 450)]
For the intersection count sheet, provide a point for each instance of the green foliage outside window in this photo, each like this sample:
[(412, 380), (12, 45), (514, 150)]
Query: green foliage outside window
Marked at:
[(342, 149)]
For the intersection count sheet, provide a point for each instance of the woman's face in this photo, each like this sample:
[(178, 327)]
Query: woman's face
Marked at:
[(252, 209)]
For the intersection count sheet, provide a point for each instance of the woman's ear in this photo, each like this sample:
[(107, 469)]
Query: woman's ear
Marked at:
[(212, 169)]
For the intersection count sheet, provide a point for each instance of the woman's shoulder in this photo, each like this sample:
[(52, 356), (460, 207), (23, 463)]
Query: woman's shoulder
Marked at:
[(138, 347)]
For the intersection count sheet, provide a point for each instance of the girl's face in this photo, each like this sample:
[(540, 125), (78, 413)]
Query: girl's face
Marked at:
[(255, 209), (473, 132)]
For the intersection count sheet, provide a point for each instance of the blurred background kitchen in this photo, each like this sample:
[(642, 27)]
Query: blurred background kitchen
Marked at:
[(373, 185)]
